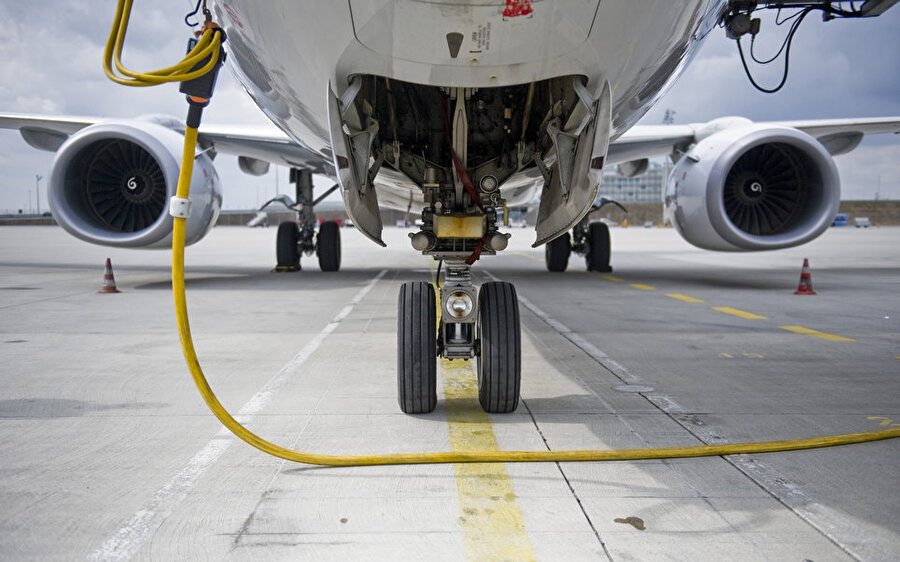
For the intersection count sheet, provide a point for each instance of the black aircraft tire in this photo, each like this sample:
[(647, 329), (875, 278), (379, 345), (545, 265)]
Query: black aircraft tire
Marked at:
[(416, 348), (328, 247), (557, 251), (597, 256), (500, 362), (286, 251)]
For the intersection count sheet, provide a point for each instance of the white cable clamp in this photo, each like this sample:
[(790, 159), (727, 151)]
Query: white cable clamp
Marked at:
[(179, 208)]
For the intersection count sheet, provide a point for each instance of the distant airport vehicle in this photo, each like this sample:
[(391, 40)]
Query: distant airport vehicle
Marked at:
[(840, 219), (862, 222), (453, 111)]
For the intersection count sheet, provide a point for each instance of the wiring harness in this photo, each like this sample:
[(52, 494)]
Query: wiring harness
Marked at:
[(739, 21)]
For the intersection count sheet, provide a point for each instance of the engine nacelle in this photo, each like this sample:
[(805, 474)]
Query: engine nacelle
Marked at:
[(753, 187), (110, 184)]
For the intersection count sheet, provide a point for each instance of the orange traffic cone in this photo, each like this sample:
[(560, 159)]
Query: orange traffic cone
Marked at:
[(805, 287), (109, 282)]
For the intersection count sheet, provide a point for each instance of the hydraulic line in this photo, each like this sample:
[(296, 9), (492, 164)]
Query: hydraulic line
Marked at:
[(190, 355)]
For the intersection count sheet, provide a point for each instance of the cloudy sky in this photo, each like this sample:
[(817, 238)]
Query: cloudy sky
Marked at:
[(50, 63)]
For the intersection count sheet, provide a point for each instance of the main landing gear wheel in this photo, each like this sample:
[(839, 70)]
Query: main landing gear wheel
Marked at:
[(328, 246), (557, 251), (597, 256), (416, 348), (500, 363), (286, 251)]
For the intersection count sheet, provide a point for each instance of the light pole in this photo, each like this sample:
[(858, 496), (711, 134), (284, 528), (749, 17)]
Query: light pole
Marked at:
[(669, 117), (37, 188)]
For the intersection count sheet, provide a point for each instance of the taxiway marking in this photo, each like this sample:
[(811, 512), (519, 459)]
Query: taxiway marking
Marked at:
[(682, 298), (125, 542), (885, 421), (739, 313), (491, 522), (746, 354), (742, 314), (830, 522), (815, 333)]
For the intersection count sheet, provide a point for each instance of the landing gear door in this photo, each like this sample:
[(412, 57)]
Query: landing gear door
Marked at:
[(359, 197), (575, 178)]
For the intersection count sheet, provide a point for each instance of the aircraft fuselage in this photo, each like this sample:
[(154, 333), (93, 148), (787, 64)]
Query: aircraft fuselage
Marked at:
[(286, 53)]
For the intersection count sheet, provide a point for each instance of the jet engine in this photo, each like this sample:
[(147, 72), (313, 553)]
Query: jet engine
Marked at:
[(753, 187), (110, 184)]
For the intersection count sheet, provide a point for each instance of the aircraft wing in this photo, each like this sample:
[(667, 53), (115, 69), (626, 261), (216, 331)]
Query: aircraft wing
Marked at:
[(262, 144), (268, 144), (646, 141), (838, 135)]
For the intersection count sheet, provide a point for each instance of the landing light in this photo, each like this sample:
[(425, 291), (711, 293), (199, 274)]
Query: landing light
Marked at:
[(459, 304)]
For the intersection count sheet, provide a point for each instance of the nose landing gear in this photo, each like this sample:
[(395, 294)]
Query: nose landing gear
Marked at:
[(486, 328), (472, 324)]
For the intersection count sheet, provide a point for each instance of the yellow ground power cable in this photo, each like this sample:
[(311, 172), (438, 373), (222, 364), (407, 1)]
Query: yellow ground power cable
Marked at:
[(251, 438), (210, 44)]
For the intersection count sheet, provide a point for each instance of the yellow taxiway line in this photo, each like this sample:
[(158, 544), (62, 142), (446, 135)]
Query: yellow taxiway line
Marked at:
[(815, 333), (490, 520), (739, 313)]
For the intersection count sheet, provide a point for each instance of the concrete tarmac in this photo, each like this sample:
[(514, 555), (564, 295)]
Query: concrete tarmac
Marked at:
[(107, 451)]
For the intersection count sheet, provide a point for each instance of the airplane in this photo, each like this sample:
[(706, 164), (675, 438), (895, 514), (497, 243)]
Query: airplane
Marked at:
[(454, 111)]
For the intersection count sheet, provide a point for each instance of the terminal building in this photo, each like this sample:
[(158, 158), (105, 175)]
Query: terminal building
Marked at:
[(648, 187)]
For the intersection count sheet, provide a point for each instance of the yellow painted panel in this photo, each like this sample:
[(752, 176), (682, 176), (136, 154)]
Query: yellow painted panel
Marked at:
[(643, 287), (490, 520), (739, 313), (683, 298), (452, 226), (815, 333)]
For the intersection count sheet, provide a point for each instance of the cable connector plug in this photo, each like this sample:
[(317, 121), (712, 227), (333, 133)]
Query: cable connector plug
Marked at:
[(200, 90), (179, 207)]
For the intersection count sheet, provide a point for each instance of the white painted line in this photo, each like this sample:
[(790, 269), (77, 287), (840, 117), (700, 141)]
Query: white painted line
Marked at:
[(126, 542)]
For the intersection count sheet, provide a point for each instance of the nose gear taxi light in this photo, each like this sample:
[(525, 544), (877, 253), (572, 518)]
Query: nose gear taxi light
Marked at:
[(210, 45), (459, 304)]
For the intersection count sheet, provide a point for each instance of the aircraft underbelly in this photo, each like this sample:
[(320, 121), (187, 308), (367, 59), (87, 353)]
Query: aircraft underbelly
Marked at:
[(285, 52), (469, 34)]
